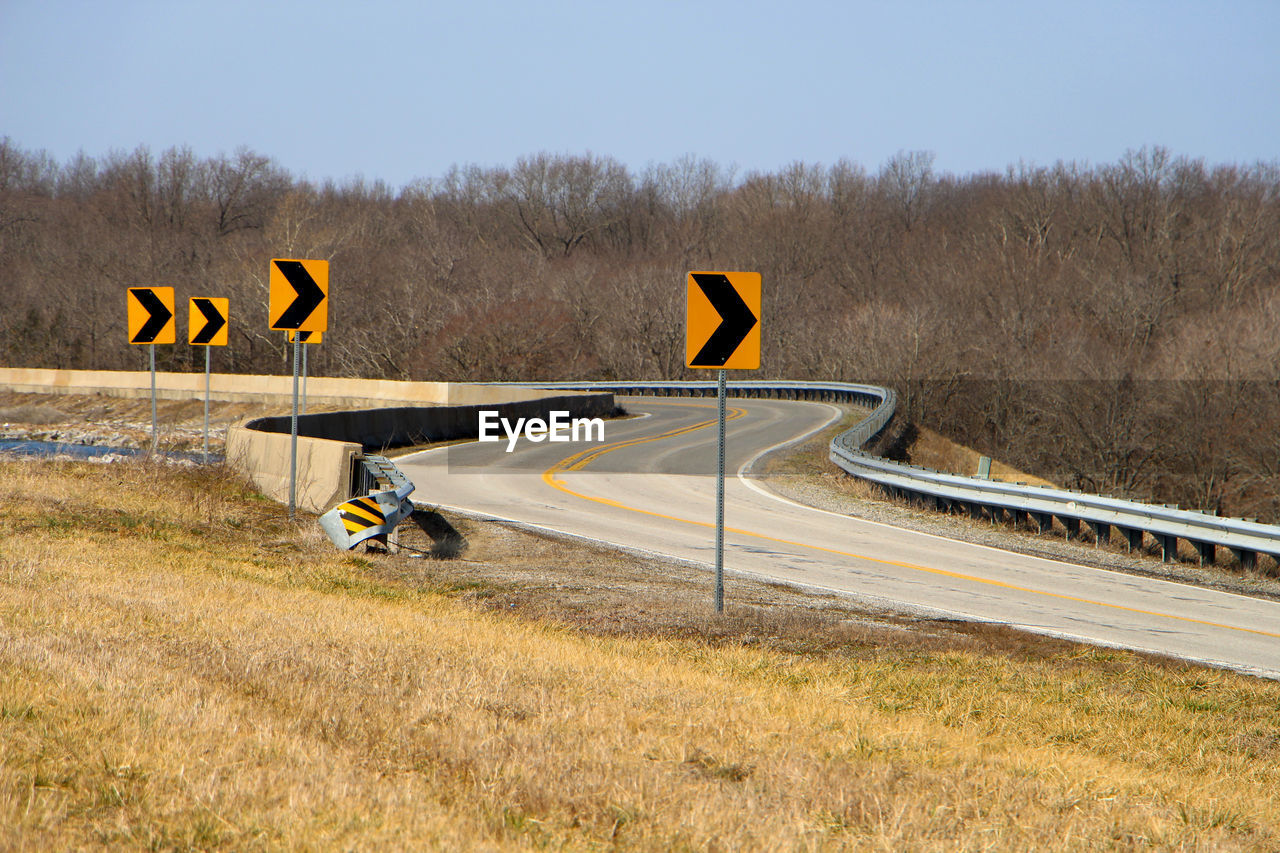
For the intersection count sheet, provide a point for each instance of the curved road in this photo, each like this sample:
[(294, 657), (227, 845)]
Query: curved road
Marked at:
[(650, 486)]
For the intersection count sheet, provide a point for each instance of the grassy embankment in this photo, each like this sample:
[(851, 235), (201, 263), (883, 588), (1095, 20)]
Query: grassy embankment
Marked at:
[(181, 667)]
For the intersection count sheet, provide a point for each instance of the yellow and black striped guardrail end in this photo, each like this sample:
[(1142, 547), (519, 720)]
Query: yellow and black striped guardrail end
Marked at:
[(360, 514)]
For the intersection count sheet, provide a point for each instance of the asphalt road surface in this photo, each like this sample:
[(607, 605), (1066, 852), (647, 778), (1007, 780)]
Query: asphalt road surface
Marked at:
[(650, 485)]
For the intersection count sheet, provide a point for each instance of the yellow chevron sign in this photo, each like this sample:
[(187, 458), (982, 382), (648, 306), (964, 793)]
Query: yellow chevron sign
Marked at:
[(305, 337), (723, 320), (151, 315), (299, 295), (207, 321), (360, 514)]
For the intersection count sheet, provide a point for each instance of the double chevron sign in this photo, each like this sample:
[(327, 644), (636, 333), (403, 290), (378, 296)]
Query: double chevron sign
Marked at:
[(152, 318)]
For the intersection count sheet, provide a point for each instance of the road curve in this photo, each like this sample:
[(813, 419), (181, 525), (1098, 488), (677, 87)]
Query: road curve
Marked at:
[(650, 486)]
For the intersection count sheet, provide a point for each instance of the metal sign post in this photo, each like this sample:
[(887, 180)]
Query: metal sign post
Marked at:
[(722, 331), (207, 326), (298, 302), (304, 378), (155, 437), (720, 504), (151, 322), (206, 405), (307, 339), (293, 438)]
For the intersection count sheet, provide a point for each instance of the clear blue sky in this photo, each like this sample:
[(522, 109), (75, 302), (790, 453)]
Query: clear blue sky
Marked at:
[(395, 90)]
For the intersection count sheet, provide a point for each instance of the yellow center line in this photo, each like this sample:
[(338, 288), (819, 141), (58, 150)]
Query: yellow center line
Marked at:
[(579, 460)]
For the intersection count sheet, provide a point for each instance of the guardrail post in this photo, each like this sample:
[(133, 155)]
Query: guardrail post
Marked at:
[(1132, 538), (1101, 532), (1207, 551), (1248, 559), (1044, 521), (1168, 547), (1072, 526)]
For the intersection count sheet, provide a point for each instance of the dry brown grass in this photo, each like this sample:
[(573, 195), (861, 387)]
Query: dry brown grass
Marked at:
[(182, 668), (932, 450), (34, 414), (928, 449)]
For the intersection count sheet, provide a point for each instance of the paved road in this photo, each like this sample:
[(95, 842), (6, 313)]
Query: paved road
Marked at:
[(651, 486)]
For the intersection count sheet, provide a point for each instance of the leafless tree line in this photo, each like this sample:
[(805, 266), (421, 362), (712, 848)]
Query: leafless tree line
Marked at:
[(1114, 327)]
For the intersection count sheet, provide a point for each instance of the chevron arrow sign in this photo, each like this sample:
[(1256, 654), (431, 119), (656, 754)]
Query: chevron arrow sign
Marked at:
[(207, 321), (723, 321), (299, 299), (151, 316)]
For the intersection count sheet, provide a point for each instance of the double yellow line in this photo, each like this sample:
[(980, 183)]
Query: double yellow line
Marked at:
[(580, 460)]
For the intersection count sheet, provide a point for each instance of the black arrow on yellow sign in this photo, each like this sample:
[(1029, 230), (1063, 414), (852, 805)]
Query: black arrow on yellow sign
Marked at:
[(213, 320), (158, 316), (308, 298), (736, 320)]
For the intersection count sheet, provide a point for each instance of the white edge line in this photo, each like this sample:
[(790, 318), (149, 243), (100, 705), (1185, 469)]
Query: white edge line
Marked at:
[(1244, 669), (891, 605), (746, 480), (894, 605), (836, 414)]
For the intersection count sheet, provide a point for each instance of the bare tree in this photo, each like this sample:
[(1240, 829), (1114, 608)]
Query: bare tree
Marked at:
[(243, 190), (905, 179), (1112, 326), (561, 201)]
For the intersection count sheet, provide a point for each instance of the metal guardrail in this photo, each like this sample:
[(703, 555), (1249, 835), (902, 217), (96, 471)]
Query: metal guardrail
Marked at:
[(1038, 505), (376, 513), (376, 473)]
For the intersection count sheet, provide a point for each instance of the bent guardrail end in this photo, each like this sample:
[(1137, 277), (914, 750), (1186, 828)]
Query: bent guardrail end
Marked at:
[(373, 516)]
